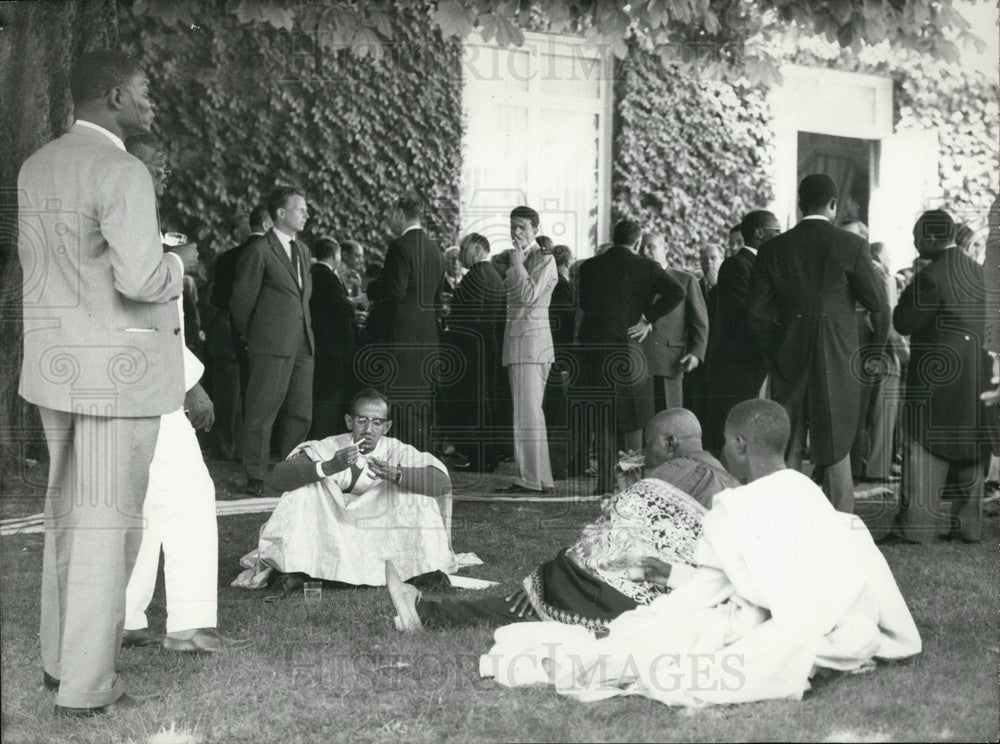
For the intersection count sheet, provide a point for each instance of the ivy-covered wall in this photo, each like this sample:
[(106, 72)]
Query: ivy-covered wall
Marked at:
[(244, 107), (691, 156)]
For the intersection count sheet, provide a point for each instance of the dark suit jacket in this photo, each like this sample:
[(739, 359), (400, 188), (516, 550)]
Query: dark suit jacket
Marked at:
[(943, 313), (616, 289), (224, 274), (802, 294), (562, 313), (406, 292), (269, 308), (333, 327), (223, 337), (479, 309), (737, 362), (682, 331)]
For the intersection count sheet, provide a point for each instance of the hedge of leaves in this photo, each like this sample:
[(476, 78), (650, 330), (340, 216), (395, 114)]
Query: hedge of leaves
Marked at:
[(243, 107), (691, 155)]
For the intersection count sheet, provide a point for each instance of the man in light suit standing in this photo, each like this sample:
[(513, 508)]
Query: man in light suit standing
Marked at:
[(270, 306), (676, 345), (527, 350), (102, 361)]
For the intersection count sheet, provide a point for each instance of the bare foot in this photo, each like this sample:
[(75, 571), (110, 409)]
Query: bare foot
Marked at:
[(404, 599)]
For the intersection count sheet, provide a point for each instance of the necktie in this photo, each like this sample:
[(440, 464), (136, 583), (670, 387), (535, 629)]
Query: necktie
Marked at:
[(295, 261)]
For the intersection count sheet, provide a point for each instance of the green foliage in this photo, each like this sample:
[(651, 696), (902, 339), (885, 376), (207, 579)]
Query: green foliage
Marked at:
[(691, 155), (665, 25), (243, 107)]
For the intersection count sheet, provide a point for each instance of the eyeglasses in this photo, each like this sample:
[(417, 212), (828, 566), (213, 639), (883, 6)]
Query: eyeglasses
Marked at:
[(364, 421)]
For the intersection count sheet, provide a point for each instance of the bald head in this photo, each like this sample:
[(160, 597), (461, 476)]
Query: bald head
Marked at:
[(671, 431)]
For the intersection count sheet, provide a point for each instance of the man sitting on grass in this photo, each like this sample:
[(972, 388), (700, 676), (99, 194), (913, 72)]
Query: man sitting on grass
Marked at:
[(354, 500), (657, 519), (783, 585)]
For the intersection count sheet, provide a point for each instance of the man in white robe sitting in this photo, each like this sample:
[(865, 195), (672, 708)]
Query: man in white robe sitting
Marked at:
[(785, 585), (353, 501)]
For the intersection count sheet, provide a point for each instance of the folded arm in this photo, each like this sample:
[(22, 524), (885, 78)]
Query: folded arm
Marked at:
[(528, 289)]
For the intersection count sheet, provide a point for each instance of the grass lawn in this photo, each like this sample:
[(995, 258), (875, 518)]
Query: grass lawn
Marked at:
[(348, 675)]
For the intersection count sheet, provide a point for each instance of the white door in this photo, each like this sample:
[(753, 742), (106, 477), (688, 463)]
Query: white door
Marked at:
[(906, 185), (537, 132)]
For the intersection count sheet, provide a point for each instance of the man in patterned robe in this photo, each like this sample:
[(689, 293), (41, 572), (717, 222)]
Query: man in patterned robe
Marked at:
[(655, 520)]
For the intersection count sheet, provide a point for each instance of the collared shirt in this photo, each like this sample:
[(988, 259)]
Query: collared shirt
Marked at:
[(286, 242), (411, 227), (752, 250), (110, 135), (815, 217)]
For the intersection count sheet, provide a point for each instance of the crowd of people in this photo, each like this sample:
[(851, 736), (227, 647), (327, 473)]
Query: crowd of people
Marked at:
[(790, 349)]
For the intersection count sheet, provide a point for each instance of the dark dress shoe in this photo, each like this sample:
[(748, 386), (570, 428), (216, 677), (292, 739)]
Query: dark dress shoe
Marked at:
[(255, 487), (125, 702), (140, 638), (50, 682)]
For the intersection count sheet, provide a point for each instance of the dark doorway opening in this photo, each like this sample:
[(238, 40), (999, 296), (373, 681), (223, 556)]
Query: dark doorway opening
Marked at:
[(849, 162)]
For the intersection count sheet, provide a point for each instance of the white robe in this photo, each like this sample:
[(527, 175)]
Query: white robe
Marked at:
[(785, 585), (328, 534)]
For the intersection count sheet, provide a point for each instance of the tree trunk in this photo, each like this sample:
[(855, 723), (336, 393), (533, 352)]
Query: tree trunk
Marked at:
[(38, 44)]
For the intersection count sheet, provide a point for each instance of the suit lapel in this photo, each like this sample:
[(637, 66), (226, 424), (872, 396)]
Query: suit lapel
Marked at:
[(279, 251)]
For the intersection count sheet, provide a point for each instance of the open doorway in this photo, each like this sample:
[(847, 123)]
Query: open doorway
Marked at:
[(850, 162)]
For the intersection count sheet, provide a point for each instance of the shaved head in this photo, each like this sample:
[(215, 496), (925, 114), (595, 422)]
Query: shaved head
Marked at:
[(669, 431), (763, 424), (678, 422)]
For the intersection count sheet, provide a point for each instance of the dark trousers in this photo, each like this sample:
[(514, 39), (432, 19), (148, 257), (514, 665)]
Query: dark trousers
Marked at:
[(328, 417), (922, 515), (555, 407), (448, 613), (668, 392), (694, 390), (279, 391), (411, 420), (226, 392), (724, 392)]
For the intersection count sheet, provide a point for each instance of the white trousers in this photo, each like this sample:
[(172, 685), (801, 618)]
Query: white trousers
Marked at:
[(180, 517), (531, 441)]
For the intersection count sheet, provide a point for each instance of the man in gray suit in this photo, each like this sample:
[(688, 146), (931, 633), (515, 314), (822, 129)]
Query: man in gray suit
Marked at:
[(102, 361), (527, 350), (676, 345), (270, 306)]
